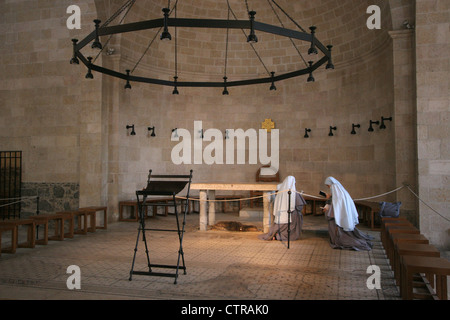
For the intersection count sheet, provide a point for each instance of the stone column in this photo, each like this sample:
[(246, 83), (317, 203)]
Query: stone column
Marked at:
[(212, 207), (404, 117), (433, 111), (203, 214)]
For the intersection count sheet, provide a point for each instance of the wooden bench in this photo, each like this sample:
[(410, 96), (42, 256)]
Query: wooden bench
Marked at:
[(390, 223), (16, 224), (92, 213), (69, 217), (436, 266), (150, 202), (81, 225), (13, 230), (229, 198), (45, 219), (134, 208), (412, 249), (368, 210), (390, 230), (404, 237)]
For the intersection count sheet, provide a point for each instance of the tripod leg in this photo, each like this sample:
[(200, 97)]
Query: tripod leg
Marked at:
[(144, 238), (180, 249), (134, 256)]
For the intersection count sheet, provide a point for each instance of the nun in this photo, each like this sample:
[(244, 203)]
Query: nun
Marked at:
[(281, 229), (342, 217)]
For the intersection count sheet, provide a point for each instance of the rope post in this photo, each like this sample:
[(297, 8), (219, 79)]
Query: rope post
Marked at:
[(289, 218)]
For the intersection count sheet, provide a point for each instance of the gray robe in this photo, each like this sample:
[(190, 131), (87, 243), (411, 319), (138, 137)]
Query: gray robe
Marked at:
[(280, 231), (350, 240)]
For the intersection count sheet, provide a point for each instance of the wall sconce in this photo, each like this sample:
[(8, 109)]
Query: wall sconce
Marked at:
[(152, 129), (371, 123), (306, 132), (355, 126), (132, 133), (382, 125), (175, 133), (226, 135), (201, 134), (331, 131)]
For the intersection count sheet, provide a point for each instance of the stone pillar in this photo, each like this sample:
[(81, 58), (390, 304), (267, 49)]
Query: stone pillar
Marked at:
[(404, 117), (433, 112), (111, 147), (212, 207), (203, 213)]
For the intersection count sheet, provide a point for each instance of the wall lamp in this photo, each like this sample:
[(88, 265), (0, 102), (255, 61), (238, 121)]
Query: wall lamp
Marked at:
[(331, 131), (382, 125), (371, 123), (355, 126), (175, 133), (306, 132), (152, 129), (133, 133)]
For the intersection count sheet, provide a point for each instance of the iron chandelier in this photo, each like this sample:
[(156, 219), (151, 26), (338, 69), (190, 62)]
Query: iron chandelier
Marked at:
[(166, 21)]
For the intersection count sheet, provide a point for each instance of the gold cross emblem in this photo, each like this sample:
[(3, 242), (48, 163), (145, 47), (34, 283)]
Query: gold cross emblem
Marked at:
[(268, 124)]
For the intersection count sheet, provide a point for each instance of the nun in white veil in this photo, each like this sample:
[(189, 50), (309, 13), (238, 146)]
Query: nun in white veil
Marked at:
[(342, 217), (279, 228)]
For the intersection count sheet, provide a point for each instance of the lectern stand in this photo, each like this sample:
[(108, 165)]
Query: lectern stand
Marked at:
[(164, 185)]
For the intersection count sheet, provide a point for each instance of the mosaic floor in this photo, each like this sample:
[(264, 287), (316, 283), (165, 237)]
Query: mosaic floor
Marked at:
[(221, 265)]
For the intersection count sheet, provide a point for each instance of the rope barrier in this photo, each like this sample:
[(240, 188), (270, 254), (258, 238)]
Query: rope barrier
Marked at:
[(427, 204), (11, 203), (319, 198), (22, 199)]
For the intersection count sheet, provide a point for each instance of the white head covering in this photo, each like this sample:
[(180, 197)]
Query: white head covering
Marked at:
[(344, 208), (281, 203)]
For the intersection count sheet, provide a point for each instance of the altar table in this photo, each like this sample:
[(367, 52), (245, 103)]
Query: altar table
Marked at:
[(210, 189)]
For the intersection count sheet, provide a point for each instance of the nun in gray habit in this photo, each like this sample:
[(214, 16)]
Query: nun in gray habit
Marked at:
[(279, 228), (342, 217)]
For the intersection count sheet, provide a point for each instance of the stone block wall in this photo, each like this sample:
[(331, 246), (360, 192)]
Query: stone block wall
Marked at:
[(433, 112), (53, 197)]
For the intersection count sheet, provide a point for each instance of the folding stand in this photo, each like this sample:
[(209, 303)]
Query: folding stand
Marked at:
[(162, 187)]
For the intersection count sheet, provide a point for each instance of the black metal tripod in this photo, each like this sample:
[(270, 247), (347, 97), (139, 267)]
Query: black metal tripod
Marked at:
[(162, 187)]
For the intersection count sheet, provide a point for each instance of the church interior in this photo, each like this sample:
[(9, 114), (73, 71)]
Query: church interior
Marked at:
[(82, 125)]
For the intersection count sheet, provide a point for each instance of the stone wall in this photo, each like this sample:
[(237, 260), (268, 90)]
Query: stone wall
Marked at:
[(433, 113), (72, 131), (53, 197)]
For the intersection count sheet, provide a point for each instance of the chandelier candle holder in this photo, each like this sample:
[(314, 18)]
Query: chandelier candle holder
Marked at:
[(251, 25)]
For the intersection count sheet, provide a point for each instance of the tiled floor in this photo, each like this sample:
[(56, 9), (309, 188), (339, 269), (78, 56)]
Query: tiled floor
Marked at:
[(220, 265)]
